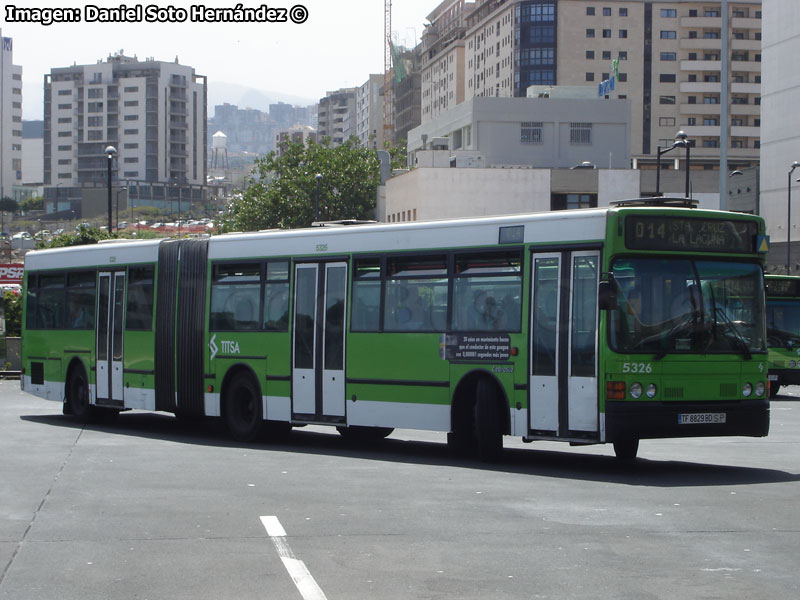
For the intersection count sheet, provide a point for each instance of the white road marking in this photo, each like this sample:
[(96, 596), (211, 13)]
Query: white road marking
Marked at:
[(297, 569)]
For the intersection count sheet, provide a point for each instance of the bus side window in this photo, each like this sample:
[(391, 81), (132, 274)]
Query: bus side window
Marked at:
[(140, 298), (366, 304)]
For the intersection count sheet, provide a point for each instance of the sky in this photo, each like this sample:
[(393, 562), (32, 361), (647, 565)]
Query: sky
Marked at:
[(338, 45)]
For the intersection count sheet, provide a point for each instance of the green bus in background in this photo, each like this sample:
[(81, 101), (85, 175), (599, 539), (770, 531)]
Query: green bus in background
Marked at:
[(635, 321), (783, 330)]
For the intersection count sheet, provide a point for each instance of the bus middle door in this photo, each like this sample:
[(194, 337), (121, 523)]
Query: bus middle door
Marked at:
[(110, 306), (564, 320), (318, 341)]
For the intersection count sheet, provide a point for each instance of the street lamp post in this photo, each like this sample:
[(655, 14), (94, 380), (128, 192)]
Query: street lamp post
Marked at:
[(795, 164), (119, 191), (318, 177), (680, 142), (110, 152)]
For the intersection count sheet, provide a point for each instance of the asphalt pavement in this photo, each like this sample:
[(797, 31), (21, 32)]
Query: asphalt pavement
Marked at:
[(150, 507)]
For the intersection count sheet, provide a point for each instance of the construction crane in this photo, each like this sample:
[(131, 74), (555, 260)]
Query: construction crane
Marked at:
[(388, 96)]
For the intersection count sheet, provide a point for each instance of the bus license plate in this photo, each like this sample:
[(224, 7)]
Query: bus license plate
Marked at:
[(700, 418), (772, 377)]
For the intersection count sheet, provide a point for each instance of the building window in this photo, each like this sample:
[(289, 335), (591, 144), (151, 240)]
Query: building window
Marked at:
[(668, 35), (131, 88), (667, 78), (65, 92), (710, 143), (606, 11), (590, 33), (623, 33), (580, 133), (131, 103), (606, 33), (570, 201), (590, 55), (623, 12), (130, 131), (590, 11), (666, 99), (530, 132), (669, 13), (94, 135), (666, 121), (94, 93), (94, 121), (623, 55), (623, 77), (589, 76), (710, 100), (606, 54), (65, 148), (669, 56)]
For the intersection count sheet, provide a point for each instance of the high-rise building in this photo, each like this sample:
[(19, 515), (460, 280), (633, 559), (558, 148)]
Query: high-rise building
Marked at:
[(336, 115), (665, 56), (152, 112), (10, 119), (369, 112)]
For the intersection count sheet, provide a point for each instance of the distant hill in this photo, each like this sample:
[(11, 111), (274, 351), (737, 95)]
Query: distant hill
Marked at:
[(248, 97)]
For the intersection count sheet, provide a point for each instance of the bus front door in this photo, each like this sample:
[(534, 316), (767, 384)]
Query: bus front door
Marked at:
[(110, 305), (564, 317), (318, 345)]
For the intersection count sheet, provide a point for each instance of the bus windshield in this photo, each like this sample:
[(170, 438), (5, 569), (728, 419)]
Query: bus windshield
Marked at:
[(667, 306), (783, 323)]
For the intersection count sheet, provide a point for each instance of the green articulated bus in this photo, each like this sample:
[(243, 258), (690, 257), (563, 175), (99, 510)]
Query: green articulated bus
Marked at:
[(639, 320), (783, 330)]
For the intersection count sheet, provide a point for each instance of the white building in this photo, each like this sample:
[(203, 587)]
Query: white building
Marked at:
[(152, 112), (780, 127), (10, 119), (369, 113)]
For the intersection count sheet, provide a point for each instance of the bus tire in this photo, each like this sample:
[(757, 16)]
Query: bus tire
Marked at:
[(78, 403), (243, 414), (626, 449), (488, 422)]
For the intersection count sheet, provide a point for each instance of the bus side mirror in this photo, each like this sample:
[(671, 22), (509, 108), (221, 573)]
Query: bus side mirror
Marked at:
[(607, 295)]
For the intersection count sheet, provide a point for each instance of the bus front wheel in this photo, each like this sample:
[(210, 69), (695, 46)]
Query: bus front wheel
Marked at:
[(626, 449), (243, 415)]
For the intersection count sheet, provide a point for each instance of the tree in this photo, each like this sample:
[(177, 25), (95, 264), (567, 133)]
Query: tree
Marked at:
[(32, 203), (12, 305), (8, 204), (286, 192), (84, 235)]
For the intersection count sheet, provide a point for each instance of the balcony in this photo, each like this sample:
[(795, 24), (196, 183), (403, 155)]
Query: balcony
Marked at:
[(747, 45), (746, 88), (749, 66), (745, 109), (701, 65), (701, 87), (745, 131), (696, 131), (700, 44), (700, 109), (745, 23), (701, 22)]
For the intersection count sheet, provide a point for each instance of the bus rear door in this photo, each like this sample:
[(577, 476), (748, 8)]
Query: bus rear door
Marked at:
[(564, 317), (110, 305)]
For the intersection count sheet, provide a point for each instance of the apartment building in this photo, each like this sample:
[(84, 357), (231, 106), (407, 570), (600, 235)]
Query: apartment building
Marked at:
[(152, 112), (336, 115), (10, 119), (369, 112), (668, 55)]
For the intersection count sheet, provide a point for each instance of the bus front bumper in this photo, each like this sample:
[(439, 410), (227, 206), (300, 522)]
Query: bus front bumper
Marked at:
[(648, 420)]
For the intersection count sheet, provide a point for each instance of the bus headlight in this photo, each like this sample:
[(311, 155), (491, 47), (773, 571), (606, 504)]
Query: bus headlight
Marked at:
[(635, 390), (792, 364), (760, 388), (651, 390), (747, 389)]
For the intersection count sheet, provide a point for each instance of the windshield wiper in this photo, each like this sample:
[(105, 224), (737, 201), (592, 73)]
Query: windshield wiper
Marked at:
[(736, 335)]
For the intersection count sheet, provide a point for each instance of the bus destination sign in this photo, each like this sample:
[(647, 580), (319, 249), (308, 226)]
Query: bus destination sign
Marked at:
[(783, 288), (646, 232)]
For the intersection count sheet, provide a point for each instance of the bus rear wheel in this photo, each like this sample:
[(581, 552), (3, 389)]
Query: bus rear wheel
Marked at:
[(243, 415), (78, 404), (488, 422)]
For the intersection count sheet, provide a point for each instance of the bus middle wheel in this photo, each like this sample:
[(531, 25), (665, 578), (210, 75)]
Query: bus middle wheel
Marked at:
[(243, 414)]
